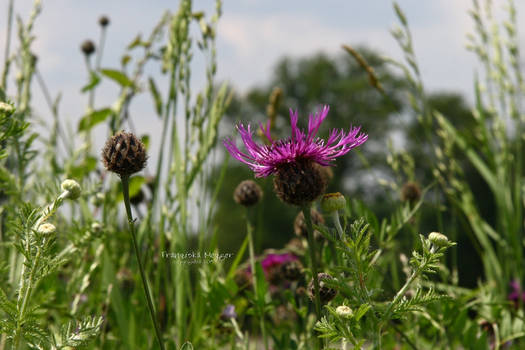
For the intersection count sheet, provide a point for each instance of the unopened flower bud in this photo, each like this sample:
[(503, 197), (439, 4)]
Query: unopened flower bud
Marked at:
[(124, 154), (438, 239), (96, 227), (247, 193), (300, 227), (344, 311), (292, 270), (6, 108), (88, 47), (410, 192), (333, 202), (46, 229), (103, 21), (326, 293), (72, 187)]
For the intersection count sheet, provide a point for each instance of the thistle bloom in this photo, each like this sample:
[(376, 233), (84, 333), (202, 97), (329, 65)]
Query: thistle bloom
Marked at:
[(265, 160), (295, 160)]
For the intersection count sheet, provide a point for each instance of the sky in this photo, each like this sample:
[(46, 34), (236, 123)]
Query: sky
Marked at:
[(252, 36)]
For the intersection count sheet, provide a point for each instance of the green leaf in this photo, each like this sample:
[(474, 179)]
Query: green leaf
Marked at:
[(262, 285), (90, 120), (363, 309), (2, 95), (145, 141), (117, 76), (238, 258), (135, 183), (156, 96), (93, 82)]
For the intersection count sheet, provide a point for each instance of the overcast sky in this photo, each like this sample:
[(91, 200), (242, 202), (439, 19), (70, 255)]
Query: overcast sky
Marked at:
[(252, 36)]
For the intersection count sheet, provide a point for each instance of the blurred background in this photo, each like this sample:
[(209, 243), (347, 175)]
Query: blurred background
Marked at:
[(294, 46)]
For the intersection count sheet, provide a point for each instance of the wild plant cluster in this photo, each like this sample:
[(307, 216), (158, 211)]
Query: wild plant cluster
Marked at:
[(98, 253)]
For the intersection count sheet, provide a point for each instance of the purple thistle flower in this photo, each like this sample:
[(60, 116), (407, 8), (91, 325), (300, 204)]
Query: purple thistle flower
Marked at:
[(272, 260), (265, 160)]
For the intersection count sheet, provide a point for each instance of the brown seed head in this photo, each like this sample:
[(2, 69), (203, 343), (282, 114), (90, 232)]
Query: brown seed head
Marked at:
[(124, 154), (299, 182), (326, 293), (103, 21), (247, 193), (410, 192), (292, 270), (87, 47), (300, 227)]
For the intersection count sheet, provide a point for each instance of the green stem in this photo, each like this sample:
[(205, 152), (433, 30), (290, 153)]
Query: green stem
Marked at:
[(125, 192), (249, 228), (25, 299), (313, 257)]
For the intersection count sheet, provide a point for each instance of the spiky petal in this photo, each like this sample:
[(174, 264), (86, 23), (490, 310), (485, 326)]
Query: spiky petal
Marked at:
[(265, 160)]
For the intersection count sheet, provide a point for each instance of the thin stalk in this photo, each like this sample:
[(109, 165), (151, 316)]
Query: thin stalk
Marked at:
[(25, 299), (7, 44), (125, 192), (249, 229), (313, 258)]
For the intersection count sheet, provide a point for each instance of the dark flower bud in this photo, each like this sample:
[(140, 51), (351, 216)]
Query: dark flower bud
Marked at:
[(103, 21), (87, 47), (326, 293), (410, 192), (300, 227), (124, 154), (299, 182), (242, 279), (292, 270), (247, 193)]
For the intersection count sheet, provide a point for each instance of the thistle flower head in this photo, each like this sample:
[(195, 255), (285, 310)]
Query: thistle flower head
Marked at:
[(295, 160), (124, 154), (266, 160), (88, 47), (103, 21), (247, 193), (326, 293)]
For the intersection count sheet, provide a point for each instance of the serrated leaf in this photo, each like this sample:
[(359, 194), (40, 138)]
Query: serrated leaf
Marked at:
[(117, 76), (90, 120)]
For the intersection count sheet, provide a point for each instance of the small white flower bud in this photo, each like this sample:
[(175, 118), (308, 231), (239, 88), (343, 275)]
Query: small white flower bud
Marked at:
[(332, 202), (6, 108), (96, 227), (438, 239), (72, 187), (46, 229), (344, 311)]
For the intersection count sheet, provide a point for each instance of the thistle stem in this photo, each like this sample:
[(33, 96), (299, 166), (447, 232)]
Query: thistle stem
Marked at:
[(249, 229), (125, 192), (312, 248)]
